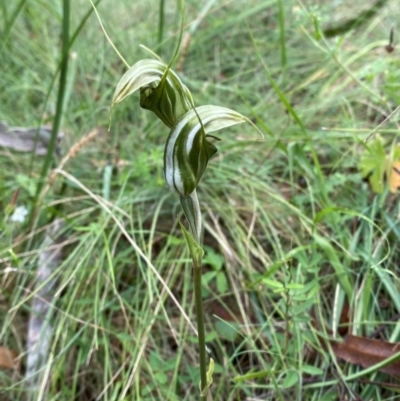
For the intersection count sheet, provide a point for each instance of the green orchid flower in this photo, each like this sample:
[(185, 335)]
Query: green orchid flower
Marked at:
[(187, 152), (188, 149), (161, 90)]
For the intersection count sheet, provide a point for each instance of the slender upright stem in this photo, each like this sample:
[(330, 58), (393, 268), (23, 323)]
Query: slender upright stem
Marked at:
[(200, 325), (191, 208), (161, 22)]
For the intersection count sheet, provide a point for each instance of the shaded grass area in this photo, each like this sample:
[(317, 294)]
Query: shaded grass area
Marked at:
[(293, 234)]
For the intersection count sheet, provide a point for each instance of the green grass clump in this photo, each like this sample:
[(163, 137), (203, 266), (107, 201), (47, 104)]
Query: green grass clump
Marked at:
[(293, 233)]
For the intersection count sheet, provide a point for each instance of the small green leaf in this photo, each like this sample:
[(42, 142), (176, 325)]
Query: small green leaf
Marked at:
[(373, 162), (211, 336), (207, 277), (161, 377), (209, 379), (312, 370), (123, 337), (292, 378), (213, 259), (304, 306), (222, 282), (148, 388), (227, 331), (294, 286), (26, 183), (329, 396), (273, 283), (311, 287), (195, 249)]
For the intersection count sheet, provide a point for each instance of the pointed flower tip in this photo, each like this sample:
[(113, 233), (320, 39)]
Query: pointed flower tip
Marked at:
[(141, 74), (255, 126)]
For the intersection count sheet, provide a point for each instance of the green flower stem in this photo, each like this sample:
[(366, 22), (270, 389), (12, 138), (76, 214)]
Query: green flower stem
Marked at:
[(191, 208), (198, 300)]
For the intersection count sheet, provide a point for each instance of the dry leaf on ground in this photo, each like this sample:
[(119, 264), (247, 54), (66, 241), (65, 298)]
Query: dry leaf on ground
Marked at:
[(367, 352), (7, 358)]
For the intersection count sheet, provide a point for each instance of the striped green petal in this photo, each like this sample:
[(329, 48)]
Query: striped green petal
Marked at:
[(161, 90), (140, 75), (187, 150)]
